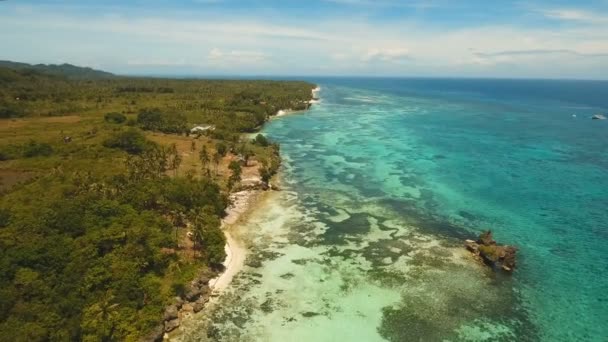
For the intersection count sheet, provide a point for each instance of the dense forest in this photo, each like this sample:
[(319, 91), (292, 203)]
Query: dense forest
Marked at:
[(100, 180)]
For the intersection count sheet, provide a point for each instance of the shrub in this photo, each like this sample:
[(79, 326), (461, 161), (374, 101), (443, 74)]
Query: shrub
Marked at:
[(7, 112), (265, 174), (221, 149), (116, 118), (261, 140), (214, 241), (155, 120), (5, 154), (132, 141), (35, 149)]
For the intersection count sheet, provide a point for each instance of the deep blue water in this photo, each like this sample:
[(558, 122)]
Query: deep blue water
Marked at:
[(520, 157)]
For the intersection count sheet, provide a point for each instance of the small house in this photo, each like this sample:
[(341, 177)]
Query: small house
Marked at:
[(202, 128)]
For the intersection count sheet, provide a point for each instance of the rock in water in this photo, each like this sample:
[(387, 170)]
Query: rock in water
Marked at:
[(492, 254), (598, 117)]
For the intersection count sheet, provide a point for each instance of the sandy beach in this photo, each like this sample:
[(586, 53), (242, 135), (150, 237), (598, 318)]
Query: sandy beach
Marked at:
[(243, 202)]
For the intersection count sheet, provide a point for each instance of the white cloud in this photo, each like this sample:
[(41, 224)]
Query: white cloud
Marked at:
[(394, 54), (575, 15), (237, 56), (335, 45)]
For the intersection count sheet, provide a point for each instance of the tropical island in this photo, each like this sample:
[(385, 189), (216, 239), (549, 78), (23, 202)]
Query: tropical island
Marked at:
[(114, 190)]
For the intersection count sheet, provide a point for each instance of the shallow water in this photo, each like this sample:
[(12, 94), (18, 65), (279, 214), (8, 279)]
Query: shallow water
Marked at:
[(382, 181)]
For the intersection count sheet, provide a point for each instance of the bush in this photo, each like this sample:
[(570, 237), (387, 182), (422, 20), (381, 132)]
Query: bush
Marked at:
[(132, 141), (221, 149), (116, 118), (5, 154), (265, 174), (214, 241), (6, 113), (155, 120), (36, 149), (261, 140), (29, 150)]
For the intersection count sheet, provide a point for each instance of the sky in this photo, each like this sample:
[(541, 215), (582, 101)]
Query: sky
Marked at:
[(419, 38)]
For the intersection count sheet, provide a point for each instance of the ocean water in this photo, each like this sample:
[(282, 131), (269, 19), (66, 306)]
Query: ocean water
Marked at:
[(384, 179)]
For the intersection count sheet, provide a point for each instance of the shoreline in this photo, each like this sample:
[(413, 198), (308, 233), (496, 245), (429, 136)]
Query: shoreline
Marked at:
[(243, 204), (314, 100)]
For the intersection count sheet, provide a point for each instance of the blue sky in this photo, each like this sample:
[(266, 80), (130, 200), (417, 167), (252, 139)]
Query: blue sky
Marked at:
[(539, 39)]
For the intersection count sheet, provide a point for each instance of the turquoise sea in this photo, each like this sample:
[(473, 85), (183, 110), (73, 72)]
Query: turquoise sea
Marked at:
[(384, 179)]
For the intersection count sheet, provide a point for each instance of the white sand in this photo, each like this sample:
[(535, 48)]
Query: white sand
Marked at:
[(235, 259), (235, 250)]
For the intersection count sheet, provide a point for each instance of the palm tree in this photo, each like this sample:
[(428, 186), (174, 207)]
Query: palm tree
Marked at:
[(99, 318), (204, 157), (176, 159), (216, 159)]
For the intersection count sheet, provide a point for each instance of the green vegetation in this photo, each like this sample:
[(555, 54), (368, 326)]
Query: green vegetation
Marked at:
[(231, 106), (155, 120), (116, 118), (63, 70), (94, 214), (94, 244), (131, 141), (30, 149), (261, 140)]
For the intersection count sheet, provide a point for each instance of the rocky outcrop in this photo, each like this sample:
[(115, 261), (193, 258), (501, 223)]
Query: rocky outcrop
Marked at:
[(193, 300), (171, 313), (598, 117), (156, 335), (171, 325), (496, 256)]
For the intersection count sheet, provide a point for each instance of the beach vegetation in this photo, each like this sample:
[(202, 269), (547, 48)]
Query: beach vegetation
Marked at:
[(261, 140)]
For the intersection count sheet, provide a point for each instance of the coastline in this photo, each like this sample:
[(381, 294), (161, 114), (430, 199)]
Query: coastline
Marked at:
[(312, 101), (236, 251), (243, 204)]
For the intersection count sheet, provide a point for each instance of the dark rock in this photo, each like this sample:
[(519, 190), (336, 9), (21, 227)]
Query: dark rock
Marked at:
[(496, 256), (203, 279), (200, 304), (485, 238), (171, 325), (472, 246), (267, 306), (171, 312), (193, 293), (598, 117), (179, 302), (309, 314), (156, 335)]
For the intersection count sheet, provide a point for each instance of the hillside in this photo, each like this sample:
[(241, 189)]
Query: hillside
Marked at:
[(64, 70)]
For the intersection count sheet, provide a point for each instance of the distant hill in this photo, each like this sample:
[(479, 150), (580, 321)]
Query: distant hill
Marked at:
[(63, 70)]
